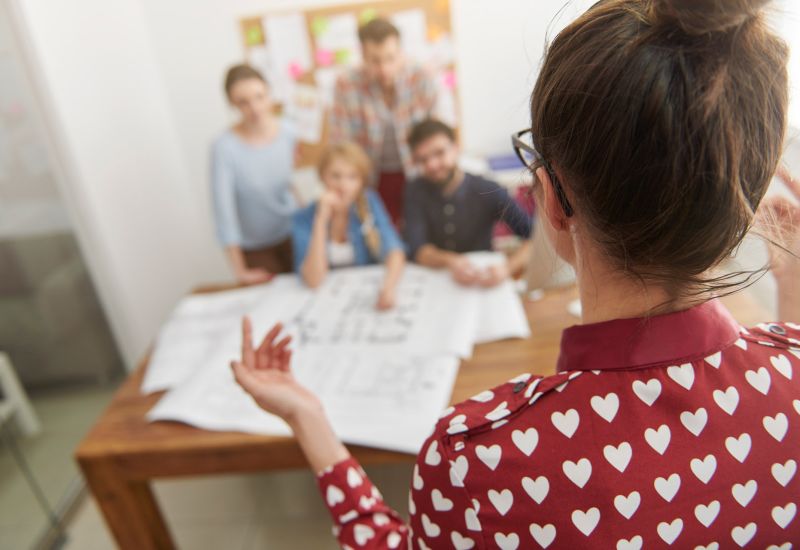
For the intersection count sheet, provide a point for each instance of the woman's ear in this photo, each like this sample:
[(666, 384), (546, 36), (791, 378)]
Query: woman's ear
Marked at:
[(553, 212)]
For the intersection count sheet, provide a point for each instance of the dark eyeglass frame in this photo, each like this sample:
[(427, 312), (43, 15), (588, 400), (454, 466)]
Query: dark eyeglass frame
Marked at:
[(520, 146)]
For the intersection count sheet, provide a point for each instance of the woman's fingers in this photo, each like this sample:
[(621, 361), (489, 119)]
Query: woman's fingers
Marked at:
[(283, 354), (264, 350), (248, 355)]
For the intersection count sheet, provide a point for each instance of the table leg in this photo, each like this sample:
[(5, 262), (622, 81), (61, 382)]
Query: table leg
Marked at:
[(130, 510)]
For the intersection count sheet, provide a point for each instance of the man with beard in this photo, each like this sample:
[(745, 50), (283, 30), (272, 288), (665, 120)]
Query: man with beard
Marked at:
[(449, 212)]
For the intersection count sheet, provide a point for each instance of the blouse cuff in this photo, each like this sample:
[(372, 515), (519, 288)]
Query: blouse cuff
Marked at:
[(348, 492)]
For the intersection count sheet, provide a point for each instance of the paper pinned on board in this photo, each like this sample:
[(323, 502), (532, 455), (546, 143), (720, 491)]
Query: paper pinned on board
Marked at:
[(326, 83), (305, 108), (290, 51), (336, 34)]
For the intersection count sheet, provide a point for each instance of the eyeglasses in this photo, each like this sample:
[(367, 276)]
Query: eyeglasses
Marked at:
[(522, 142)]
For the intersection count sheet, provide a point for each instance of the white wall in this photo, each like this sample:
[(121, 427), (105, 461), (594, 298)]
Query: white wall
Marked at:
[(132, 93), (123, 175)]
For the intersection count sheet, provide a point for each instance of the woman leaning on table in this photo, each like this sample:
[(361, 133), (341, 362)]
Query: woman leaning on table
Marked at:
[(251, 167), (667, 424)]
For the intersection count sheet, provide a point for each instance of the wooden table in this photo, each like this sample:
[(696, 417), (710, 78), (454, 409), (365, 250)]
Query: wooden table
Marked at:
[(123, 452)]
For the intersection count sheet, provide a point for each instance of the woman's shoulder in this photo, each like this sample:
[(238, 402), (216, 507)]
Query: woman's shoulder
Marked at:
[(225, 141)]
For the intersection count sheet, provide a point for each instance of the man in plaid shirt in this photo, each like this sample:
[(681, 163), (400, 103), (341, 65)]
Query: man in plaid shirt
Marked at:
[(376, 105)]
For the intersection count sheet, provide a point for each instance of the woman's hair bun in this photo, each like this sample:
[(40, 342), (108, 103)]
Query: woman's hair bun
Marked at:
[(699, 17)]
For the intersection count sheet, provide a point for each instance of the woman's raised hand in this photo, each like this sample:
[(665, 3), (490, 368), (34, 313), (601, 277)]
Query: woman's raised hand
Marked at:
[(265, 374)]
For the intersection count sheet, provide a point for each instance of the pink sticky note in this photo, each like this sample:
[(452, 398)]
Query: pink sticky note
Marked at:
[(325, 58), (449, 80), (295, 70)]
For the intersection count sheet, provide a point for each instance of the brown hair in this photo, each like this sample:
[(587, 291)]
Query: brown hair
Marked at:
[(665, 121), (426, 129), (241, 72), (355, 155), (377, 31)]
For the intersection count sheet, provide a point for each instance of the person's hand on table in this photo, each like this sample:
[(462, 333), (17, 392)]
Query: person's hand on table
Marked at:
[(328, 203), (494, 275), (254, 276), (464, 273), (387, 299), (265, 373)]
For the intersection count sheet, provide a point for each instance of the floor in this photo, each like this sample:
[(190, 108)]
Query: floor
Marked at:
[(65, 417)]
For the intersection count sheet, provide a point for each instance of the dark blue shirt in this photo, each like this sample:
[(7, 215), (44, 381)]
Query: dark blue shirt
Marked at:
[(463, 221)]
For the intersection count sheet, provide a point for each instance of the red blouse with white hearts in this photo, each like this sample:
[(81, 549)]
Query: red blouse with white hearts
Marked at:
[(677, 431)]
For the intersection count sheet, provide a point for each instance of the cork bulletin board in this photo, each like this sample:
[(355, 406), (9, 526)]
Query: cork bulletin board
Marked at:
[(302, 52)]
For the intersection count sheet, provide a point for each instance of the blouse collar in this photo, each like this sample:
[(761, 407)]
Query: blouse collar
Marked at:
[(673, 338)]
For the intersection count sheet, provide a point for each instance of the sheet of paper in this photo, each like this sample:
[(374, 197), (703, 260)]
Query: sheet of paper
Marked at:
[(413, 28), (384, 401), (432, 315), (336, 40), (326, 82), (306, 110), (200, 325), (290, 51), (501, 314)]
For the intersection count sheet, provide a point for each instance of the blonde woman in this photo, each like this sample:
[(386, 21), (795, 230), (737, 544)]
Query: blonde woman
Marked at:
[(348, 225)]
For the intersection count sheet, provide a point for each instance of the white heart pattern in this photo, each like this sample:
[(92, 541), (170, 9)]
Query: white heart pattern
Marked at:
[(502, 500), (416, 480), (334, 495), (683, 375), (544, 535), (739, 447), (781, 364), (743, 535), (537, 489), (507, 542), (715, 359), (670, 531), (706, 514), (567, 422), (489, 455), (783, 473), (458, 471), (783, 516), (759, 379), (483, 397), (578, 472), (440, 502), (704, 469), (627, 505), (635, 543), (500, 411), (618, 456), (431, 529), (586, 521), (353, 478), (776, 426), (393, 540), (667, 488), (658, 439), (471, 519), (743, 494), (432, 457), (606, 407), (526, 441), (460, 542), (362, 533), (727, 400), (647, 392), (695, 421)]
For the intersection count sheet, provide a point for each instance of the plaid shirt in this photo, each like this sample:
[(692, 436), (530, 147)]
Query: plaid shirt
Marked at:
[(358, 103)]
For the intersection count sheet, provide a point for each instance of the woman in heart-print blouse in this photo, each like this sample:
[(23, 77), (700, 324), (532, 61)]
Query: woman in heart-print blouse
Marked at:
[(656, 126)]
